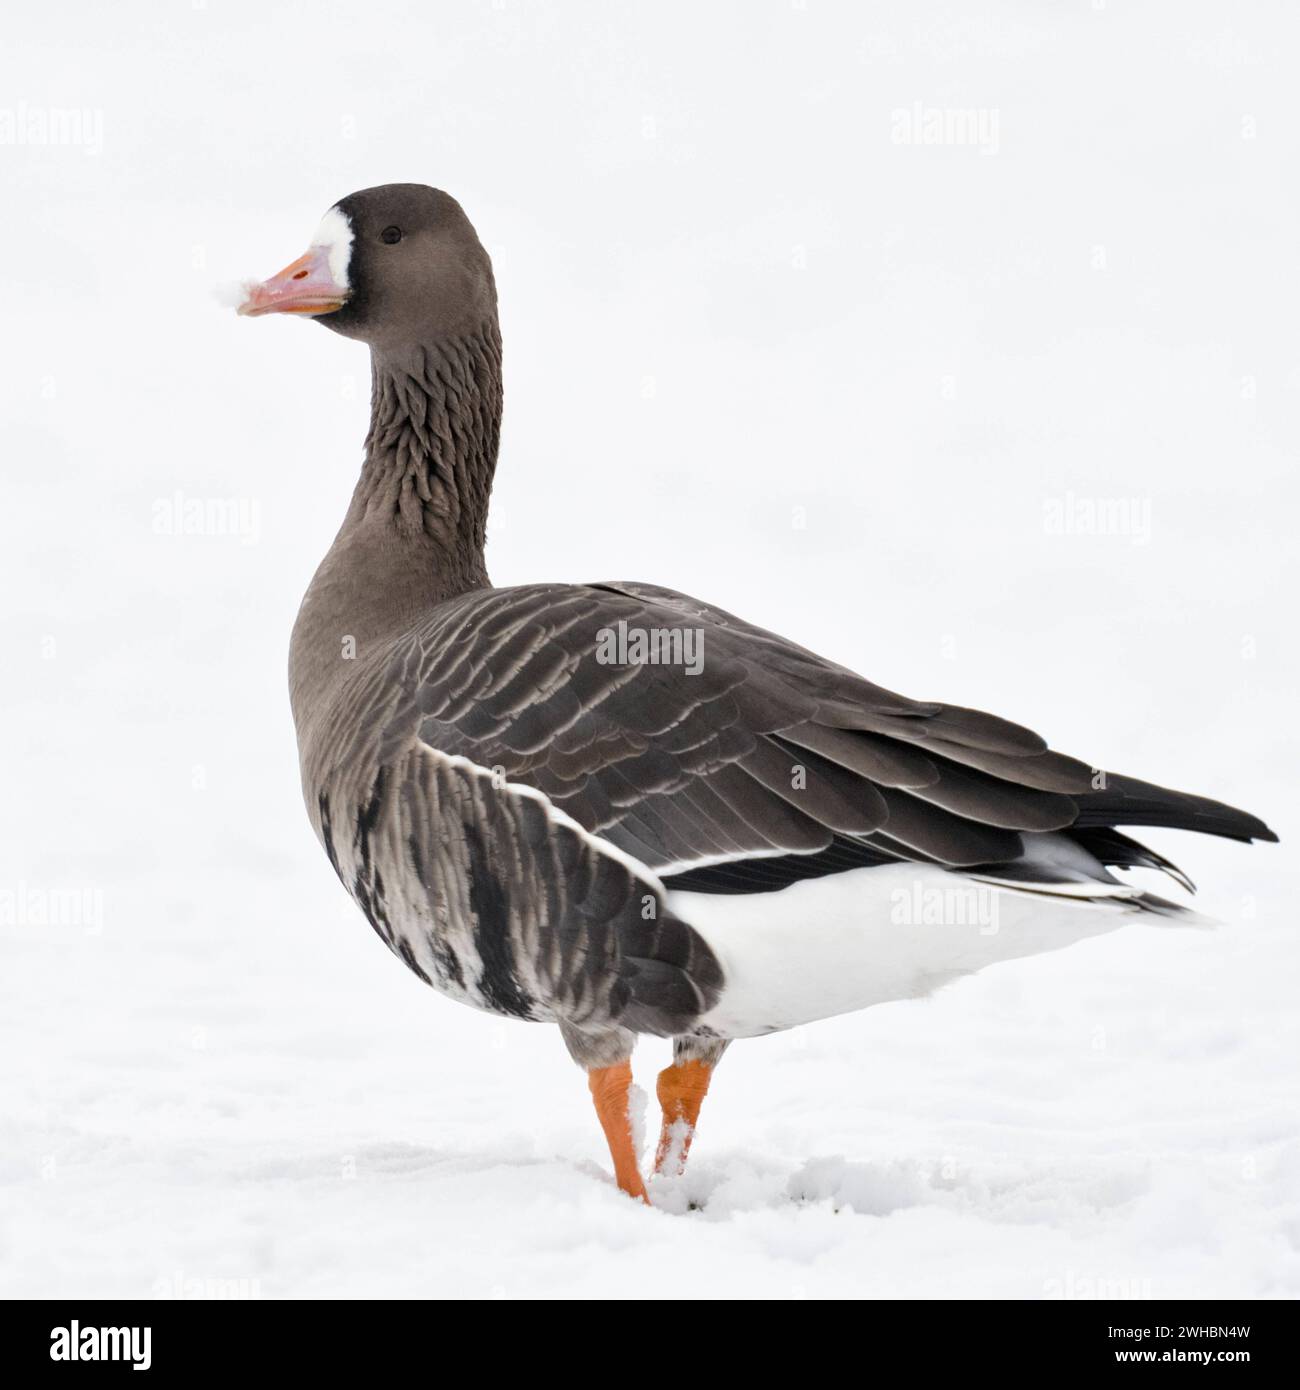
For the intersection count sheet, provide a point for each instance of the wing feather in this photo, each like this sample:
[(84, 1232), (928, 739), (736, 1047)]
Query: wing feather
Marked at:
[(761, 750)]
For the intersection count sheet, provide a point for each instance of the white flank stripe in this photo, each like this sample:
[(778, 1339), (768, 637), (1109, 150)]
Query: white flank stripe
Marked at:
[(634, 866)]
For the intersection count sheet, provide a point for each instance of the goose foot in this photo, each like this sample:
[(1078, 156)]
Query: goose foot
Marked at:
[(681, 1089)]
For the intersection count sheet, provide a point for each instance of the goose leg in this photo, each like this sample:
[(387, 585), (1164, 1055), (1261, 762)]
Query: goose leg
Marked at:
[(609, 1090), (681, 1089), (606, 1057)]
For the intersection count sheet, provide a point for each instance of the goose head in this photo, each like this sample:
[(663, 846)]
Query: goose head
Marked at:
[(396, 266)]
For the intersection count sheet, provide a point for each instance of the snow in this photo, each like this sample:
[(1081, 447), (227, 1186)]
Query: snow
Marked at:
[(234, 293), (807, 360), (279, 1109)]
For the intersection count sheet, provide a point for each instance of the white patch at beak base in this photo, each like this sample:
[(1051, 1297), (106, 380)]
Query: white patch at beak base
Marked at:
[(334, 237)]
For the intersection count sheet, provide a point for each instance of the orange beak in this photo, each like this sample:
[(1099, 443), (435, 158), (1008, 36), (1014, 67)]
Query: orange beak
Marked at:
[(305, 287)]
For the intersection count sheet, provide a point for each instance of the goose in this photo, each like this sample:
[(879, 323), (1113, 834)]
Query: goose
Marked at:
[(615, 807)]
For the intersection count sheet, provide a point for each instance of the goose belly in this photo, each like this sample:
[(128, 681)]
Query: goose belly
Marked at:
[(833, 945)]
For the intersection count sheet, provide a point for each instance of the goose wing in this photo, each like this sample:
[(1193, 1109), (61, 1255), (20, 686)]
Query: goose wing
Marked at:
[(726, 758)]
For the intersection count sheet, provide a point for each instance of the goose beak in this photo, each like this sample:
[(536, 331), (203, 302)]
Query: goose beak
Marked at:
[(306, 287)]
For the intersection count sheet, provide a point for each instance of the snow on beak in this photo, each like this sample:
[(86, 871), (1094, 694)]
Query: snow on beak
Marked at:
[(314, 284)]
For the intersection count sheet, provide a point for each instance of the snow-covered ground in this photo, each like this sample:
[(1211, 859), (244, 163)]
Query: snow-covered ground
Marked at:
[(764, 344), (269, 1106)]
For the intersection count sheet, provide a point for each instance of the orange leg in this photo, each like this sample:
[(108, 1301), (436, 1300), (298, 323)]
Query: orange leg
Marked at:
[(682, 1088), (609, 1088)]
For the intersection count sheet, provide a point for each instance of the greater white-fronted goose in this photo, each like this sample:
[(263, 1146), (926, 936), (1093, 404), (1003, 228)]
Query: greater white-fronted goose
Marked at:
[(614, 807)]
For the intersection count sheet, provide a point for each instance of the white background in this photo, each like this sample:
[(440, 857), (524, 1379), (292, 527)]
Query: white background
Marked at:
[(760, 349)]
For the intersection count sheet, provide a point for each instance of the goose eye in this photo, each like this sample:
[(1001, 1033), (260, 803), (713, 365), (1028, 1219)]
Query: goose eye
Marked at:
[(391, 235)]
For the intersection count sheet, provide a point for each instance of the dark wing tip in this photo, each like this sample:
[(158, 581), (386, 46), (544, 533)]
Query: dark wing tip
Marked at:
[(1128, 801)]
